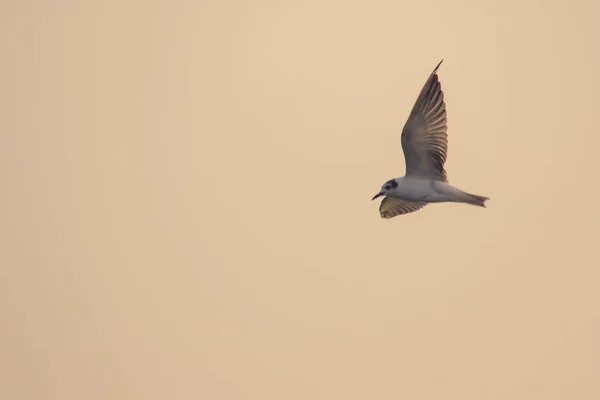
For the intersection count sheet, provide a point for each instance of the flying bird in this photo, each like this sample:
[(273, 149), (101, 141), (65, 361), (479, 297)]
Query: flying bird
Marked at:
[(425, 145)]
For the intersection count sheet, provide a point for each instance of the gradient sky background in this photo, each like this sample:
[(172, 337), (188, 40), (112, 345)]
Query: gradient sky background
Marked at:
[(186, 201)]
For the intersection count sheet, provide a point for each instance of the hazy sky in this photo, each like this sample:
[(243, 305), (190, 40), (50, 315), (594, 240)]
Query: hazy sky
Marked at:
[(186, 204)]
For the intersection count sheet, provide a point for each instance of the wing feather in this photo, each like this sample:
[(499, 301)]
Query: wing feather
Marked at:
[(424, 136), (393, 206)]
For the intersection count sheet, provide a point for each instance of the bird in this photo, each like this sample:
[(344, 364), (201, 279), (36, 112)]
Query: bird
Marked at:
[(425, 146)]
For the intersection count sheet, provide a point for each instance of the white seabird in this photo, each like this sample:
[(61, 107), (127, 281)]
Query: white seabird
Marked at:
[(425, 144)]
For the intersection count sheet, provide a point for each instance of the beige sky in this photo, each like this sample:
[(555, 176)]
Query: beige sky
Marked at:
[(186, 201)]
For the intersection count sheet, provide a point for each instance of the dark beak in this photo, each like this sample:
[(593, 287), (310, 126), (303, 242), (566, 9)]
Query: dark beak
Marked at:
[(377, 195)]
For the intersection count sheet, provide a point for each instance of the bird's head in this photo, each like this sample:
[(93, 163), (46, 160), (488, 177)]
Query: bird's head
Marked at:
[(389, 185)]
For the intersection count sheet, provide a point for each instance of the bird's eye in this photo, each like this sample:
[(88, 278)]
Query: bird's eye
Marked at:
[(387, 187)]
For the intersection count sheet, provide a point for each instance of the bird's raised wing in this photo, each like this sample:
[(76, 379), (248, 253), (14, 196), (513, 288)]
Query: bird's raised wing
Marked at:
[(393, 206), (424, 137)]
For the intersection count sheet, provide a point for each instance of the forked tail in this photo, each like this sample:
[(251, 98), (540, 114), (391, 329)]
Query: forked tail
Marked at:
[(474, 199)]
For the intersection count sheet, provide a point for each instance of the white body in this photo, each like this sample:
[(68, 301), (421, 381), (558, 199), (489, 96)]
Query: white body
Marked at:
[(425, 190)]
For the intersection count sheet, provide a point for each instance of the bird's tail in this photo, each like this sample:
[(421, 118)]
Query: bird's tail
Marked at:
[(474, 199)]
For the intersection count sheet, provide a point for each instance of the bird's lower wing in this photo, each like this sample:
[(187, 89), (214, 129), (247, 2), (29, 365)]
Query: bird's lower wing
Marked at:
[(393, 206)]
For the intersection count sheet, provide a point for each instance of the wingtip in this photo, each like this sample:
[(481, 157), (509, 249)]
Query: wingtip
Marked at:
[(437, 66)]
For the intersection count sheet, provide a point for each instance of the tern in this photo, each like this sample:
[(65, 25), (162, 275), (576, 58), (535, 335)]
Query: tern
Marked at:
[(425, 145)]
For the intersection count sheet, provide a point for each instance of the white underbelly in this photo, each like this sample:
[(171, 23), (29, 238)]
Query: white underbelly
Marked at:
[(423, 190)]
